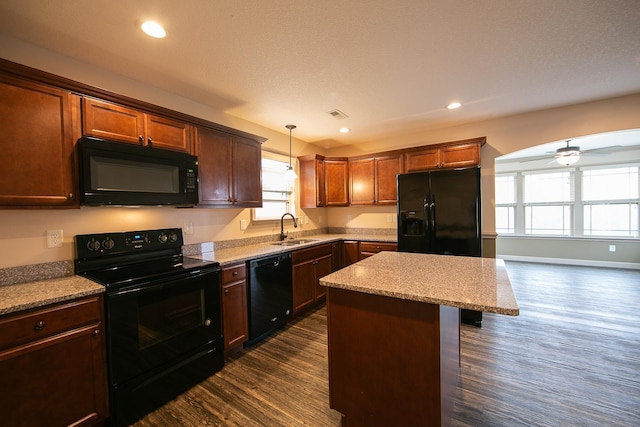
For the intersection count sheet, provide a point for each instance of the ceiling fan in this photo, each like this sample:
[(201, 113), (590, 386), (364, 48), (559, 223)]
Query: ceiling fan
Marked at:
[(570, 154)]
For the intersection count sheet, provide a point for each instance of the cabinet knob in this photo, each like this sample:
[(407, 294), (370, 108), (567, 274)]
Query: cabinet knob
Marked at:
[(39, 326), (70, 196), (149, 141), (141, 139), (96, 332), (226, 291), (235, 273), (207, 322)]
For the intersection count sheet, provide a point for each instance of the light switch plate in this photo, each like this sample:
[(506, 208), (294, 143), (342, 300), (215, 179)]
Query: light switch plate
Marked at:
[(243, 224)]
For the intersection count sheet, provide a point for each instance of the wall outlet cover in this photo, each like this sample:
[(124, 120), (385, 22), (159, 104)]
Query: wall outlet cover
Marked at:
[(54, 238)]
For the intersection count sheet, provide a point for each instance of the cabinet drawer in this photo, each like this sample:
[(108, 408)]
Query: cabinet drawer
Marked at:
[(303, 255), (41, 323), (376, 247), (236, 272)]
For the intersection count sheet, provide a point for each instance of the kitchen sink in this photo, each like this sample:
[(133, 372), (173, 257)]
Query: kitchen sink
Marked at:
[(293, 242)]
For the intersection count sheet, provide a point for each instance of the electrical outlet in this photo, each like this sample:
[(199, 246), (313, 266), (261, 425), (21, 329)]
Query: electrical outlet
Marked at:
[(54, 238), (243, 224), (306, 219), (188, 227), (612, 248), (389, 218)]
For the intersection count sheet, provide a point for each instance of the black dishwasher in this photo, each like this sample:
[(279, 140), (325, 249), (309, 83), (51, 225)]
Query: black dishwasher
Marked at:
[(270, 295)]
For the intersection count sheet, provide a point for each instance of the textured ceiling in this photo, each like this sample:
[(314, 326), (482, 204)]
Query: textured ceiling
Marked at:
[(391, 67)]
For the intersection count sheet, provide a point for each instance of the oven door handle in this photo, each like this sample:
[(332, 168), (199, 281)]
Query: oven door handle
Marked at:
[(169, 282)]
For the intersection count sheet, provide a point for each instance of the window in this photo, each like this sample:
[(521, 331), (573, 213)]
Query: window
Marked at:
[(278, 194), (610, 201), (594, 201), (505, 203), (548, 202)]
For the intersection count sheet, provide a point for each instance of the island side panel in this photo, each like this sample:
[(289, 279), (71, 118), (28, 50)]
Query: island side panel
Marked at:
[(385, 359)]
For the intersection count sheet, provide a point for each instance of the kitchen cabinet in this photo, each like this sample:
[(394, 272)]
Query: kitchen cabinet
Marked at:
[(229, 169), (350, 252), (323, 181), (309, 265), (454, 155), (53, 365), (40, 125), (368, 249), (336, 255), (234, 307), (117, 122), (373, 179)]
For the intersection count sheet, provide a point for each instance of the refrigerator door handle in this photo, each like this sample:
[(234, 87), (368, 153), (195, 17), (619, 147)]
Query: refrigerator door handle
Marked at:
[(427, 211), (432, 213)]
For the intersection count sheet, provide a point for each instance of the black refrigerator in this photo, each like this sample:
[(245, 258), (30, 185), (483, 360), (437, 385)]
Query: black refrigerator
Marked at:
[(439, 213)]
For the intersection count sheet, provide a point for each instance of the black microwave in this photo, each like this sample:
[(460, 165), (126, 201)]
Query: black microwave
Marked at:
[(118, 173)]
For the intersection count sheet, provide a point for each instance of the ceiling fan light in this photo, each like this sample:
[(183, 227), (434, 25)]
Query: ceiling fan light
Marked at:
[(568, 159)]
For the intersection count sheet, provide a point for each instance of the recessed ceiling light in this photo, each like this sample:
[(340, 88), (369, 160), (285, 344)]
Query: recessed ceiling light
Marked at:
[(345, 130), (153, 29), (454, 105)]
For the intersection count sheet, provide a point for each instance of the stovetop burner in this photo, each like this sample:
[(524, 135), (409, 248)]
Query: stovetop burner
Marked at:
[(130, 258)]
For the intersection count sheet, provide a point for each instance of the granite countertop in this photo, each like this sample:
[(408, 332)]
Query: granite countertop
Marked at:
[(466, 282), (23, 296), (32, 293), (239, 254)]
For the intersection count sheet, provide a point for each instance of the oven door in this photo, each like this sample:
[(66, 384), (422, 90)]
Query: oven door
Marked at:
[(156, 324)]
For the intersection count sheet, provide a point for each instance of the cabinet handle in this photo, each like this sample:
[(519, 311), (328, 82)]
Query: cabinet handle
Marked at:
[(226, 291), (149, 141), (70, 196), (39, 326), (141, 139), (235, 273)]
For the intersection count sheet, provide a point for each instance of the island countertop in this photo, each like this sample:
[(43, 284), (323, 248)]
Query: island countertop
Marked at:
[(472, 283)]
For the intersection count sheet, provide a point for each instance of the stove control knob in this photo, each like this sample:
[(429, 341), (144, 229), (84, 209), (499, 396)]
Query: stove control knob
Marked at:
[(173, 237), (108, 243), (207, 322), (93, 245), (162, 238)]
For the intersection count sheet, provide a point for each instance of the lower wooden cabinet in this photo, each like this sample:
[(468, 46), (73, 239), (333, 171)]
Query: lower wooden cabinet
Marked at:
[(309, 265), (350, 252), (368, 249), (53, 365), (234, 307)]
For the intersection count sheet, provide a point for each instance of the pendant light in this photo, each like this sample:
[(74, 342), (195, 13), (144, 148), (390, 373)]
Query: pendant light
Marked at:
[(290, 174)]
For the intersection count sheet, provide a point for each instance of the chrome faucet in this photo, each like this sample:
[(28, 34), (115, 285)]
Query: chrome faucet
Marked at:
[(284, 235)]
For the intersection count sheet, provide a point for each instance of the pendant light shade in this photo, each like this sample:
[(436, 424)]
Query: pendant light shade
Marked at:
[(290, 174)]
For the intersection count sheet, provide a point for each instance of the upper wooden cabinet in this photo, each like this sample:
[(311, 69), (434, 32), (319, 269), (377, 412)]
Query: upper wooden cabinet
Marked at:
[(323, 181), (112, 121), (40, 125), (229, 169), (373, 180), (444, 156)]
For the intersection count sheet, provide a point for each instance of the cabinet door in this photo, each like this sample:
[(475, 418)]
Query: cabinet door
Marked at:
[(111, 121), (350, 253), (234, 312), (362, 179), (214, 167), (422, 160), (60, 380), (336, 173), (336, 255), (303, 285), (460, 156), (246, 175), (323, 267), (386, 170), (40, 125), (168, 134)]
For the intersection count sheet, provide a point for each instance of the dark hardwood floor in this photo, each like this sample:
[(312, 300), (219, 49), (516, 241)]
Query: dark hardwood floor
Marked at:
[(572, 358)]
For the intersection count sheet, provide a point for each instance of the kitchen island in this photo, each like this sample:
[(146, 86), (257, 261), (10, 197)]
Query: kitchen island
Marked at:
[(394, 333)]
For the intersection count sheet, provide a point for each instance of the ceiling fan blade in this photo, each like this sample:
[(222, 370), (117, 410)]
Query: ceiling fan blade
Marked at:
[(602, 149)]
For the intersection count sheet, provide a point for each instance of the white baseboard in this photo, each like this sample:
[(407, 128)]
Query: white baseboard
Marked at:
[(567, 261)]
